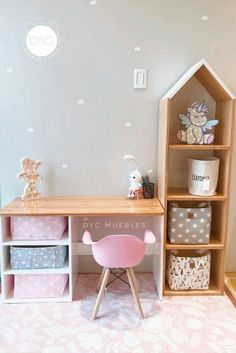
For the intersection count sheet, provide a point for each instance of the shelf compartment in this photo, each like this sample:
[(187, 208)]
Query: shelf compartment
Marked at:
[(7, 239), (216, 285), (9, 299), (179, 168), (218, 226), (179, 193), (186, 147), (194, 91)]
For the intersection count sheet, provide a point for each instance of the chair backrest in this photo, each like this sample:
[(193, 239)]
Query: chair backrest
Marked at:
[(119, 251)]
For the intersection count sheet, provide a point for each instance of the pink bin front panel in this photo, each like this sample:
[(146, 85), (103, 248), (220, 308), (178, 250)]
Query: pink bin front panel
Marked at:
[(39, 286), (37, 228)]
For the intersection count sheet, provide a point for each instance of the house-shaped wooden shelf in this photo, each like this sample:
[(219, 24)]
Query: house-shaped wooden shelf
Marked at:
[(199, 83)]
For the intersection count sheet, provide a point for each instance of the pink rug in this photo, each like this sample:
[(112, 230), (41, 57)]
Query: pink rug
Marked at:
[(184, 324)]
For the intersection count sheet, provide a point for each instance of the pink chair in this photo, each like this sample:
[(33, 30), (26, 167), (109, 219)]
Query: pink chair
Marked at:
[(119, 251)]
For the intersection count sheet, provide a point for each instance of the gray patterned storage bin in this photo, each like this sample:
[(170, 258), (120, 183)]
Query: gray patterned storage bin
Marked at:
[(189, 225), (37, 257)]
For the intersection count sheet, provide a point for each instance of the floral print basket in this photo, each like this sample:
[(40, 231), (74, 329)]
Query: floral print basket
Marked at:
[(188, 270)]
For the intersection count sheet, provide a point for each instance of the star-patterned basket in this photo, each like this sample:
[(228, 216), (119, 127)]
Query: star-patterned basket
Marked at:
[(33, 257), (189, 225), (40, 285)]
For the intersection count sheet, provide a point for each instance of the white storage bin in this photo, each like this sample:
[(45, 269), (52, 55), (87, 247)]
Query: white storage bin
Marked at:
[(203, 176)]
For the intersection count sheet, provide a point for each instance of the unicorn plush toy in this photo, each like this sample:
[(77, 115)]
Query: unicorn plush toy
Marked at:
[(196, 124)]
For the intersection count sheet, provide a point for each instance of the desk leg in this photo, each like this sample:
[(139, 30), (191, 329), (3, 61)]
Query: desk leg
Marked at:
[(158, 254), (73, 225)]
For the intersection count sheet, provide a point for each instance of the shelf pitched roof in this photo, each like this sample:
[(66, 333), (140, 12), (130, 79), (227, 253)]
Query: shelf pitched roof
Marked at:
[(209, 80)]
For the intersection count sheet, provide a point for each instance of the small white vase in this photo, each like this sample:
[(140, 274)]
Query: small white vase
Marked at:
[(203, 176)]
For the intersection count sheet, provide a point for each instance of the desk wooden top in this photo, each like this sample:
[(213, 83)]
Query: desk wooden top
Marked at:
[(83, 205)]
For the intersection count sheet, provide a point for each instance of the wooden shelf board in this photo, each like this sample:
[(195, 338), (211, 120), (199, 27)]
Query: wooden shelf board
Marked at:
[(64, 269), (198, 147), (213, 244), (182, 194), (213, 290), (83, 205)]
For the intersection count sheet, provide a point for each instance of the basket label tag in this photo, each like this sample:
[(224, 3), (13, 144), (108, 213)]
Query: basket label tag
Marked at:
[(206, 184), (190, 215)]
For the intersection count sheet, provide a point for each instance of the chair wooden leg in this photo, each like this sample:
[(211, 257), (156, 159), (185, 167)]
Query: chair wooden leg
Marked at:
[(135, 293), (101, 278), (101, 292), (135, 280)]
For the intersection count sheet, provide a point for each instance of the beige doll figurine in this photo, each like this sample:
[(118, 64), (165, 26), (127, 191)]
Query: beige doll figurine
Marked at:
[(31, 176)]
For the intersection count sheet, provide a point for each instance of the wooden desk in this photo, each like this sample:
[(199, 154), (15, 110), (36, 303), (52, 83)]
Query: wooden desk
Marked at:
[(83, 205), (73, 208)]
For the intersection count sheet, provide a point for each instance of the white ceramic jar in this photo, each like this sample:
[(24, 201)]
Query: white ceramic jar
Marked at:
[(203, 176)]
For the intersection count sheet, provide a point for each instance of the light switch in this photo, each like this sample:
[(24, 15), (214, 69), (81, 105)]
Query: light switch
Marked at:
[(140, 78)]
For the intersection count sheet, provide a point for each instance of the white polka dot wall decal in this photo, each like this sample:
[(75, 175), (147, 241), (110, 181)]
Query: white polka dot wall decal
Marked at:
[(128, 124), (30, 129), (64, 166), (137, 49), (204, 18), (80, 101), (9, 70), (93, 2)]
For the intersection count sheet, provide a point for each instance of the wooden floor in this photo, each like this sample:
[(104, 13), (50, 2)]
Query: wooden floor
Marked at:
[(230, 285)]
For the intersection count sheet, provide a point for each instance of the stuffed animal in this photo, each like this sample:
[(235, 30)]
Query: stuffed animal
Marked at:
[(196, 124), (135, 178), (31, 176)]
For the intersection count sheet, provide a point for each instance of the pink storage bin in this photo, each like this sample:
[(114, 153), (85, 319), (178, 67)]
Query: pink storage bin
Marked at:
[(37, 228), (39, 286)]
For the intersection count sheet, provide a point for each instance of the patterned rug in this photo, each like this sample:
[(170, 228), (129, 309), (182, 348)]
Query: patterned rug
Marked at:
[(178, 324)]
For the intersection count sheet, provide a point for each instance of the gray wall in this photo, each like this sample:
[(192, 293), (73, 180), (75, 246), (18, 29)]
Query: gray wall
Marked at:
[(95, 62)]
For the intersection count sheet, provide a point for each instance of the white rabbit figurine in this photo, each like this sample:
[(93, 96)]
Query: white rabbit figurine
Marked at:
[(135, 178)]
